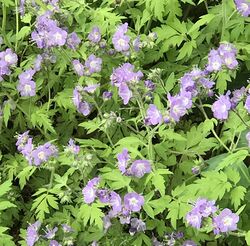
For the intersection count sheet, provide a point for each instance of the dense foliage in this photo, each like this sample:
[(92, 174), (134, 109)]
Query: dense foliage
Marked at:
[(125, 122)]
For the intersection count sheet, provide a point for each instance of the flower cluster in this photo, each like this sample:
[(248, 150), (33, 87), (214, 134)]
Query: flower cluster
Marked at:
[(33, 236), (48, 34), (243, 6), (72, 147), (35, 156), (137, 168), (132, 202), (95, 35), (7, 59), (93, 64), (225, 221), (123, 77)]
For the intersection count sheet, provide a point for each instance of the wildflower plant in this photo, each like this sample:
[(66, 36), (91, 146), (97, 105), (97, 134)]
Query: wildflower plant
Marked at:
[(124, 122)]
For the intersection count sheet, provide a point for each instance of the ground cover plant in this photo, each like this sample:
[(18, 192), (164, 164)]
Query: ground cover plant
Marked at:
[(124, 122)]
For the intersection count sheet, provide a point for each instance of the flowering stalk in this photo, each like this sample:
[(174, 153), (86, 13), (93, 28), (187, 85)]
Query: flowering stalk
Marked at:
[(17, 23)]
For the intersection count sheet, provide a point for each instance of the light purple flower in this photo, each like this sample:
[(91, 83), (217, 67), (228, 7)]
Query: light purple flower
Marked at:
[(137, 44), (107, 95), (66, 228), (214, 61), (78, 67), (140, 167), (133, 202), (10, 57), (247, 104), (125, 93), (22, 140), (32, 233), (226, 221), (149, 84), (153, 116), (27, 88), (115, 202), (84, 108), (243, 6), (205, 207), (94, 64), (50, 233), (120, 40), (123, 159), (136, 225), (106, 222), (38, 62), (194, 219), (73, 41), (54, 243), (95, 35), (189, 243), (26, 75), (91, 88), (89, 191), (238, 95), (72, 147), (103, 195), (221, 107)]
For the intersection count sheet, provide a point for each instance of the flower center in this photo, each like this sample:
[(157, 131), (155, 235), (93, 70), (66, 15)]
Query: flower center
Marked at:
[(227, 221), (41, 155), (27, 88), (133, 201)]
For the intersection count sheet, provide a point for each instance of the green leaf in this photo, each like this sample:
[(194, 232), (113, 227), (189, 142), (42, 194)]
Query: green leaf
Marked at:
[(247, 238), (23, 32), (6, 204), (6, 112), (205, 19), (5, 187), (237, 194), (25, 174), (159, 182)]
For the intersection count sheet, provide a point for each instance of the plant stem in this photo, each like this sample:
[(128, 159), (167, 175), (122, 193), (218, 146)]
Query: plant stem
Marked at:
[(4, 19), (51, 177), (17, 24), (243, 121)]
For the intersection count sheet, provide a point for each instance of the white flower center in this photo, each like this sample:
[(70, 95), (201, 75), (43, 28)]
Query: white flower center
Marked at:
[(121, 42), (27, 88), (216, 65), (41, 155), (244, 6), (93, 64), (133, 201), (8, 58), (227, 221)]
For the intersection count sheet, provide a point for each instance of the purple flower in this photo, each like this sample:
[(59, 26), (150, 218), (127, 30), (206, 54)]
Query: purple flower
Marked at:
[(84, 108), (206, 83), (78, 67), (137, 44), (9, 57), (66, 228), (106, 222), (27, 75), (123, 159), (91, 88), (32, 233), (188, 84), (194, 219), (50, 233), (73, 41), (247, 104), (72, 147), (195, 170), (58, 37), (27, 88), (140, 167), (214, 61), (22, 140), (248, 138), (136, 225), (103, 195), (115, 202), (230, 61), (149, 84), (54, 243), (243, 7), (221, 107), (205, 207), (153, 116), (107, 95), (89, 191), (225, 221), (238, 95), (43, 152), (38, 62), (189, 243), (27, 150), (120, 40), (133, 202), (95, 35), (94, 64), (125, 93)]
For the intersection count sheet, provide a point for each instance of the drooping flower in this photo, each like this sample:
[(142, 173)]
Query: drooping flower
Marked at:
[(103, 195), (120, 40), (95, 35), (54, 243), (91, 88), (137, 44), (106, 222), (149, 84), (140, 167), (22, 139), (38, 63), (115, 202), (32, 233), (221, 107), (226, 221), (123, 159), (66, 228), (125, 93), (153, 116), (107, 95), (133, 202)]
